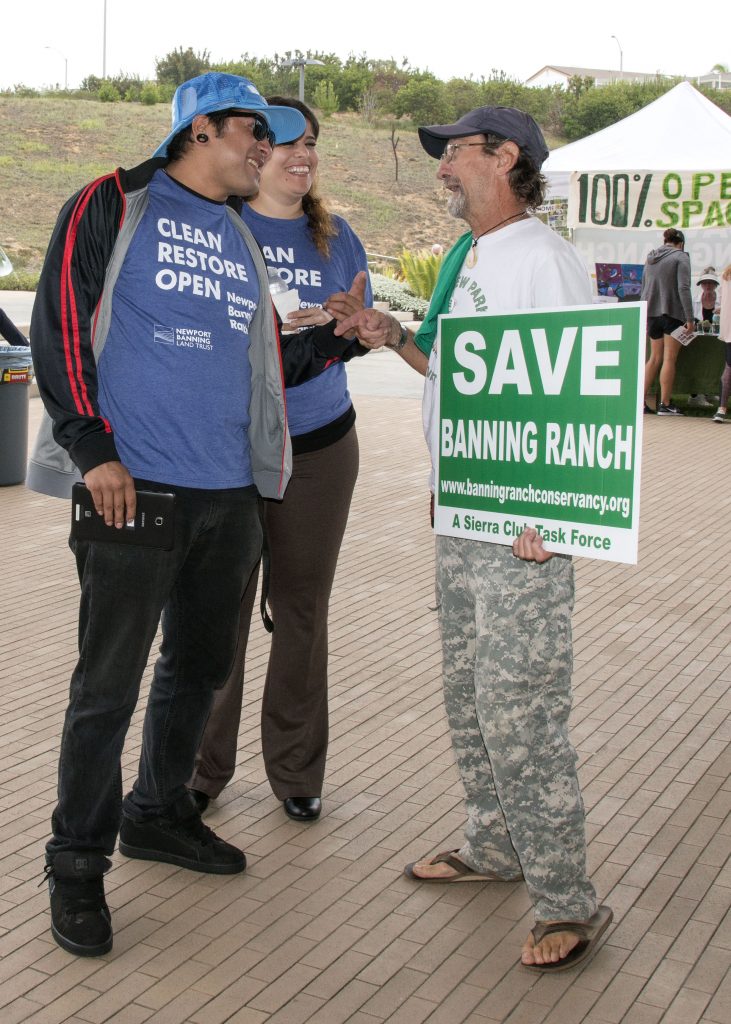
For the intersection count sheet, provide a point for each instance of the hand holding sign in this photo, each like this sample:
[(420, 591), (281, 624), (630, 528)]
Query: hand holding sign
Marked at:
[(529, 547)]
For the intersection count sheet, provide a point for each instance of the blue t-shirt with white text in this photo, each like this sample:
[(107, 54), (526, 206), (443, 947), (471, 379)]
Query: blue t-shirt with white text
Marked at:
[(174, 374), (288, 246)]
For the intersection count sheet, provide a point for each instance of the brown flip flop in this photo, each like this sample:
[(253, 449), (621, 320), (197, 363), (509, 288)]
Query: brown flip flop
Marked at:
[(589, 933), (464, 873)]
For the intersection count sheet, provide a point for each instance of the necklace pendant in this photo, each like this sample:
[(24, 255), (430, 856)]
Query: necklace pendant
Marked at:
[(471, 260)]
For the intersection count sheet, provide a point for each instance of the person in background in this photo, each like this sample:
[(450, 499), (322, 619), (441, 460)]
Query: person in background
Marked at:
[(704, 306), (318, 254), (666, 289), (706, 302), (724, 333)]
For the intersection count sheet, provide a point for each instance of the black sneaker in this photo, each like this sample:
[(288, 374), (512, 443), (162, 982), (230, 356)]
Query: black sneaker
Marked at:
[(648, 411), (80, 918), (183, 840), (668, 410)]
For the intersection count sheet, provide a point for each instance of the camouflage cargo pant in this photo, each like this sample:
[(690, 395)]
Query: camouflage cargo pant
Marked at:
[(506, 640)]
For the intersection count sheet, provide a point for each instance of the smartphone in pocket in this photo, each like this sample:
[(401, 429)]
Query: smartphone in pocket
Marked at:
[(153, 525)]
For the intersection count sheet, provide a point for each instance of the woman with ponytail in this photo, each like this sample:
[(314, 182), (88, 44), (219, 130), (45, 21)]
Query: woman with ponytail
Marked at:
[(317, 254)]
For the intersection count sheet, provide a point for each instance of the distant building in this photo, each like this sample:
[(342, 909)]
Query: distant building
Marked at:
[(553, 74), (715, 80)]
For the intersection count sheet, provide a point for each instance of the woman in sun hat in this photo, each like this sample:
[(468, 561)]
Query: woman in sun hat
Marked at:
[(707, 297)]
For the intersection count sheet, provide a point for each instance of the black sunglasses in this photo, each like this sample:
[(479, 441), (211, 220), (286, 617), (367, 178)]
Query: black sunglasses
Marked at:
[(260, 129)]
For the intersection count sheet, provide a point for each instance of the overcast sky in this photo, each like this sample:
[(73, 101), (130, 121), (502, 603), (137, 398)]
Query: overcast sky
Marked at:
[(450, 39)]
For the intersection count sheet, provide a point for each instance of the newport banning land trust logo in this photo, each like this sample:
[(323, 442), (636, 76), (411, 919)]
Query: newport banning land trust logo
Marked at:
[(164, 335), (540, 426), (183, 337)]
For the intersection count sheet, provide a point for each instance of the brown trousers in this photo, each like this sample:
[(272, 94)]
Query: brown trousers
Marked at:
[(305, 532)]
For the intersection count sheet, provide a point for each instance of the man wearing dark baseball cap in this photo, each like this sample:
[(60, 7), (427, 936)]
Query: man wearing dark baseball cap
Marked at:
[(503, 122), (158, 361), (505, 612)]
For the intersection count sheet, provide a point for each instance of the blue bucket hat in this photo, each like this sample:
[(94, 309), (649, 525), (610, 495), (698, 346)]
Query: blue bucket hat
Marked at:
[(507, 122), (218, 91)]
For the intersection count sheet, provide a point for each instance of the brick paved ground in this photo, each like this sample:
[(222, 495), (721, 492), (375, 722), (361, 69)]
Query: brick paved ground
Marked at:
[(323, 927)]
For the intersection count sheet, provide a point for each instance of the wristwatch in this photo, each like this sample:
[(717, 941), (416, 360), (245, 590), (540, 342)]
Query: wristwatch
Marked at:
[(402, 339)]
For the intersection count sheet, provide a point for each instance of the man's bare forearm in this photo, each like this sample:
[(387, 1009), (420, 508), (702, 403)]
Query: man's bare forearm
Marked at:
[(409, 351)]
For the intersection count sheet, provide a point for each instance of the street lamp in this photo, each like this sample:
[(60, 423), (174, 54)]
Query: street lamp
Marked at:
[(104, 42), (301, 62), (620, 53), (65, 65)]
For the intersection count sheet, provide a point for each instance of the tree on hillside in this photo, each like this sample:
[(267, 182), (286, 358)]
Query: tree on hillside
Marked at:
[(597, 108), (463, 94), (355, 77), (579, 84), (388, 78), (424, 100), (262, 71), (325, 98), (179, 65)]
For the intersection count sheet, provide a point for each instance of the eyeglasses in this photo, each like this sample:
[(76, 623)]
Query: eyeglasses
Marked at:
[(260, 129), (451, 148), (491, 143)]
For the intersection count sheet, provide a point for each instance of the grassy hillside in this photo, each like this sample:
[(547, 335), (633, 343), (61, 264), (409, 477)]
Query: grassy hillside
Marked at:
[(50, 147)]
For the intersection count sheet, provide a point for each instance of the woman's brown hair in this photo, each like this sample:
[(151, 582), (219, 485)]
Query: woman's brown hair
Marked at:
[(320, 221)]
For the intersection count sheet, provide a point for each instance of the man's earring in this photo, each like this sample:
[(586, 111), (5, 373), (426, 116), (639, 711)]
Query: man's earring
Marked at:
[(202, 137)]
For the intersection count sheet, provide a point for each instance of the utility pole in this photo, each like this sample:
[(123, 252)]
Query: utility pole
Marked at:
[(621, 56), (65, 65), (301, 63)]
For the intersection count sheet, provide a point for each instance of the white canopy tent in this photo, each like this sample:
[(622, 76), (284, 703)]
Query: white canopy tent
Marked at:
[(680, 131)]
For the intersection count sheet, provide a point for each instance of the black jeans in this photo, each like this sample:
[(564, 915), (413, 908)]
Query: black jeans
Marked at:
[(197, 588)]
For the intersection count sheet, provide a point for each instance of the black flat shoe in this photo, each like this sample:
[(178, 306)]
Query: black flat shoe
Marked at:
[(302, 808)]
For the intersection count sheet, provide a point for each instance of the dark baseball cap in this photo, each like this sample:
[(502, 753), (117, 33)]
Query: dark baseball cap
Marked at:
[(504, 121)]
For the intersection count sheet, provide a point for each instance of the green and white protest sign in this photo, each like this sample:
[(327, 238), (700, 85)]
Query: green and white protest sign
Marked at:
[(650, 199), (540, 424)]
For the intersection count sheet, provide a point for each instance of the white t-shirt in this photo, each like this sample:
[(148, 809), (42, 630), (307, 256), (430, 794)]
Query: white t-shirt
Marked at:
[(524, 265)]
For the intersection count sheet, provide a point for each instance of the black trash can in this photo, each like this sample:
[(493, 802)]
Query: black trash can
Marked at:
[(16, 373)]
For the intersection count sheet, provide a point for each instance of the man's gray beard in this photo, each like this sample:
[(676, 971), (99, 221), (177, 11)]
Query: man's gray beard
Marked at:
[(457, 204)]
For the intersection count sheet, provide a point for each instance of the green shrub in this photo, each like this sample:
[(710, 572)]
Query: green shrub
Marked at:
[(326, 99), (398, 296), (179, 65), (109, 93), (25, 92), (424, 100), (149, 94), (19, 281), (420, 270)]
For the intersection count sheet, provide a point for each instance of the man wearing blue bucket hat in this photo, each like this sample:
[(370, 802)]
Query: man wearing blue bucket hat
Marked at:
[(159, 363)]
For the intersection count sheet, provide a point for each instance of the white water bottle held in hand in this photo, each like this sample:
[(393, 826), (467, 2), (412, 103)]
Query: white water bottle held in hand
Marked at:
[(286, 300)]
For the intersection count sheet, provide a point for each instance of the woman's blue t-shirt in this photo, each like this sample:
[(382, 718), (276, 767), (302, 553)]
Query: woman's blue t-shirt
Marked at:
[(288, 246)]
